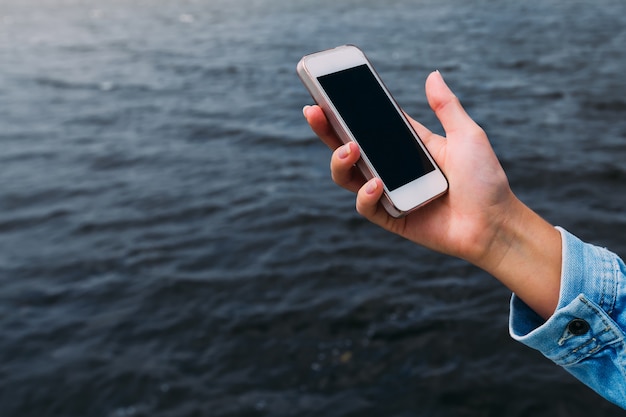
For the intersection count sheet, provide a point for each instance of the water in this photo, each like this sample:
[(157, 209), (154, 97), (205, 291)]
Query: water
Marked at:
[(171, 242)]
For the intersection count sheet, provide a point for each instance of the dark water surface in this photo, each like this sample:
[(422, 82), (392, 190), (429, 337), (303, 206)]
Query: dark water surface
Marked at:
[(171, 243)]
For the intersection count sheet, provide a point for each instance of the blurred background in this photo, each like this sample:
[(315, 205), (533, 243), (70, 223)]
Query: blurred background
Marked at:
[(171, 243)]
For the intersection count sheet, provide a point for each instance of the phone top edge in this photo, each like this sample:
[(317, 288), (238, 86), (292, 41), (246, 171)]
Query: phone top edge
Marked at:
[(347, 46), (332, 60)]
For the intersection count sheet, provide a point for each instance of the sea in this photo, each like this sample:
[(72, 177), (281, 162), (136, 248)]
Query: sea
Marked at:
[(172, 244)]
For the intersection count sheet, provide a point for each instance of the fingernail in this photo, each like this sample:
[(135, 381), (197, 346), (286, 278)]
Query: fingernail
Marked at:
[(371, 186), (344, 151), (441, 76), (305, 109)]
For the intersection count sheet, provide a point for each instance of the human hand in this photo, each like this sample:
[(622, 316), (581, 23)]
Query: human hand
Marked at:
[(462, 222), (479, 219)]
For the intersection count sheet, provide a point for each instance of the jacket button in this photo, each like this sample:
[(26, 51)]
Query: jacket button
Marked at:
[(578, 327)]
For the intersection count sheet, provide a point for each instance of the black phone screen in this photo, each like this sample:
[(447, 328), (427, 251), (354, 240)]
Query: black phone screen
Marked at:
[(372, 118)]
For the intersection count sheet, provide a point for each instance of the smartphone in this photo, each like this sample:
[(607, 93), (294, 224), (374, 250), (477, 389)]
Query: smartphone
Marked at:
[(359, 107)]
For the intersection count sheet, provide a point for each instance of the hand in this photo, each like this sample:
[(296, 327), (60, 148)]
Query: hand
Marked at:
[(479, 219), (459, 223)]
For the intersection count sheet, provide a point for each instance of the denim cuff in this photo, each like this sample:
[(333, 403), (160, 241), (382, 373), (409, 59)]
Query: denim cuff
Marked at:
[(585, 334), (589, 291)]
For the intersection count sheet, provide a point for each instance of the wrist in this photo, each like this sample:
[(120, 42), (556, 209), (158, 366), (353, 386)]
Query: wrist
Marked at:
[(493, 233), (523, 251)]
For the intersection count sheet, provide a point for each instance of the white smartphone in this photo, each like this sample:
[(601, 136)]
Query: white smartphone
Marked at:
[(360, 109)]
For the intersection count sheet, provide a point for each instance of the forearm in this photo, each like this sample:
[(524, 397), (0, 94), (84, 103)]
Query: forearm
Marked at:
[(524, 253)]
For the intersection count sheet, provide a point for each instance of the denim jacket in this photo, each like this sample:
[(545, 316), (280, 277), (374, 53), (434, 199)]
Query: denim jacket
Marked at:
[(586, 333)]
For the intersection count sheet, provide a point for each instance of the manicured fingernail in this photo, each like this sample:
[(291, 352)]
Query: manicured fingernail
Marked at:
[(441, 77), (344, 151), (305, 109), (371, 186)]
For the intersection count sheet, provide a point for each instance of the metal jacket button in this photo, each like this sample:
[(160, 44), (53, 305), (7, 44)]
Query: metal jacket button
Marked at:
[(578, 327)]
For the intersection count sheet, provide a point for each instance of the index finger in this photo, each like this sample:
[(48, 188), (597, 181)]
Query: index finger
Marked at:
[(318, 122)]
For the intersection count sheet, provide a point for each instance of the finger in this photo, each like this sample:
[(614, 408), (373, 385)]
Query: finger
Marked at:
[(368, 196), (342, 168), (318, 122), (447, 106), (367, 203)]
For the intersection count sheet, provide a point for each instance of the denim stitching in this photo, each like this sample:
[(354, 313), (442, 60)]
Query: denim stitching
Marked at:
[(575, 353)]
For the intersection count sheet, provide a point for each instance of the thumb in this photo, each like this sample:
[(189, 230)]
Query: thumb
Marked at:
[(446, 105)]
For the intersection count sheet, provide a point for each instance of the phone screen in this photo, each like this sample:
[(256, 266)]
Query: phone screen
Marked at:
[(375, 123)]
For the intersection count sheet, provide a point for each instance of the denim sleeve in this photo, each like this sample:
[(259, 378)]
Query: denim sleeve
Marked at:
[(585, 335)]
